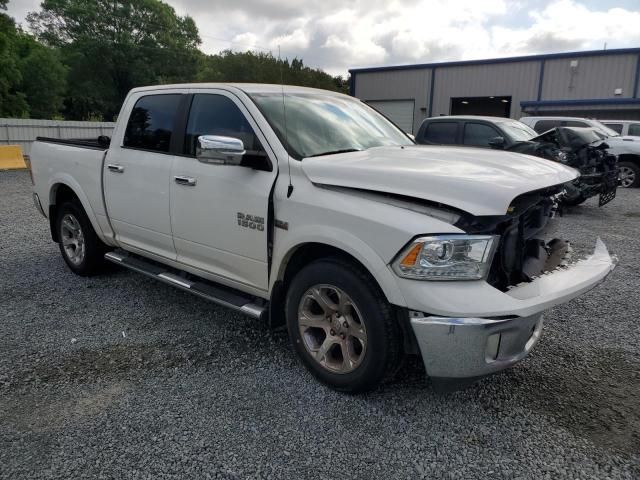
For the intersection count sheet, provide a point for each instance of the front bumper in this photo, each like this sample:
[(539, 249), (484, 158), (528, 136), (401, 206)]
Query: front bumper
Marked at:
[(473, 347), (460, 346)]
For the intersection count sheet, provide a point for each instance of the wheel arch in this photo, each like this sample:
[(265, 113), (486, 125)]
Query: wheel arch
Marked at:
[(629, 157), (303, 253), (60, 192)]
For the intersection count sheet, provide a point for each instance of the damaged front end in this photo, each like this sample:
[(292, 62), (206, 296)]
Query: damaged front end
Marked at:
[(586, 151), (495, 324), (524, 251)]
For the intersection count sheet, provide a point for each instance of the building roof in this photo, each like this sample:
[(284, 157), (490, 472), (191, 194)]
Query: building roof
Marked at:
[(525, 58)]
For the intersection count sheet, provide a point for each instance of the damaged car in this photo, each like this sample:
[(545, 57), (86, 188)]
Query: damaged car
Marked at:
[(581, 148)]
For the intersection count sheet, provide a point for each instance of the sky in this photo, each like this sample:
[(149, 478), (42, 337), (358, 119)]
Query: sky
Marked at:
[(336, 35)]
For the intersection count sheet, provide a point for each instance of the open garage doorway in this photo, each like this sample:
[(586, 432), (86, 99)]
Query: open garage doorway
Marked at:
[(495, 106)]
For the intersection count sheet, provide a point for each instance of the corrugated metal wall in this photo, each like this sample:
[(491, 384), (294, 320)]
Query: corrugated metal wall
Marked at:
[(596, 76), (397, 85), (23, 132), (518, 80), (593, 78)]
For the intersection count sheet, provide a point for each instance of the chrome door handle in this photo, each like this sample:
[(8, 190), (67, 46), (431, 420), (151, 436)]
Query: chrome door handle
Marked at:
[(115, 168), (188, 181)]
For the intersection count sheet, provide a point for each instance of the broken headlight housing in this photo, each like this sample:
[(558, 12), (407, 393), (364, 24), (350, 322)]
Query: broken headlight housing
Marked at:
[(447, 257)]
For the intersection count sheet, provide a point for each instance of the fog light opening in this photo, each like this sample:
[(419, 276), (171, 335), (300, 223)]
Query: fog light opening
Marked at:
[(493, 347)]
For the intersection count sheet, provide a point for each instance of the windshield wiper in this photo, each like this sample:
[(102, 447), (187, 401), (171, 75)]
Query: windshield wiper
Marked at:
[(332, 152)]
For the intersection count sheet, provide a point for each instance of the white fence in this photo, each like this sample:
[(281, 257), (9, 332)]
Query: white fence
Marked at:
[(14, 131)]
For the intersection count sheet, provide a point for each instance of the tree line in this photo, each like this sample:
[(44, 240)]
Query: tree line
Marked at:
[(80, 58)]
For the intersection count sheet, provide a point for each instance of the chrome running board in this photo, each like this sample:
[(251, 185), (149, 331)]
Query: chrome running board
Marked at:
[(219, 294)]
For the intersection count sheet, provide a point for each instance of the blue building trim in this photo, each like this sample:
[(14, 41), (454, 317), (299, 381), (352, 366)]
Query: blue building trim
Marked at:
[(525, 58), (541, 79), (431, 90), (352, 85), (593, 101), (637, 79)]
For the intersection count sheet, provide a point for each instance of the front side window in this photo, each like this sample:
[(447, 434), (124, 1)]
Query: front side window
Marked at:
[(479, 134), (518, 131), (574, 123), (217, 115), (634, 129), (151, 122), (441, 133), (314, 124)]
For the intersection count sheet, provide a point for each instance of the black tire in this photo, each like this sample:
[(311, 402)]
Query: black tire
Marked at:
[(94, 249), (635, 170), (383, 335)]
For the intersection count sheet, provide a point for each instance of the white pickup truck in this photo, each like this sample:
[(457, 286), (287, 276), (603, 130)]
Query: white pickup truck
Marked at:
[(308, 208)]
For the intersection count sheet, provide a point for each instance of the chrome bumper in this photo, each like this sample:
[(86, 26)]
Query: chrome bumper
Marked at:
[(473, 347), (458, 346)]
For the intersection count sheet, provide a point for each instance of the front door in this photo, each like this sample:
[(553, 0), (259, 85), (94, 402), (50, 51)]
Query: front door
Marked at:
[(137, 172), (219, 212)]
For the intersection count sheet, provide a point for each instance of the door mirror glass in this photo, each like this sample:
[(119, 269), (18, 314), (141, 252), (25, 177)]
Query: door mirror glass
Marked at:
[(220, 150), (496, 142)]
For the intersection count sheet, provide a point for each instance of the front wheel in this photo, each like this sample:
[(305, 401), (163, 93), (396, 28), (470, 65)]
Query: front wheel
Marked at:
[(341, 327), (629, 174)]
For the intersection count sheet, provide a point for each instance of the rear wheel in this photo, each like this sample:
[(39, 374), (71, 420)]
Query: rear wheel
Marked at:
[(80, 247), (629, 174), (341, 327)]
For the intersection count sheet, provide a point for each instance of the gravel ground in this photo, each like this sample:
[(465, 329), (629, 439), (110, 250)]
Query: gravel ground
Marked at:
[(118, 376)]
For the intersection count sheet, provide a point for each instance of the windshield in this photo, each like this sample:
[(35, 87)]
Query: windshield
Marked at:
[(604, 129), (321, 124), (518, 131)]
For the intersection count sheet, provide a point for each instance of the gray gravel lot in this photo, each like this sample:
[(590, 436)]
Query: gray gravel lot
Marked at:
[(192, 390)]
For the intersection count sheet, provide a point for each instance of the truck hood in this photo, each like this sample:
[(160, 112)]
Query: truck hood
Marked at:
[(477, 181)]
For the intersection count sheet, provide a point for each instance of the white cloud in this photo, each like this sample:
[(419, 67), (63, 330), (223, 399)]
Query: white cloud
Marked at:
[(336, 35)]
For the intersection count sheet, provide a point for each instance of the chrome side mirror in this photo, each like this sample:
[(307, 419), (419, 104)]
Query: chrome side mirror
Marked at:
[(219, 150)]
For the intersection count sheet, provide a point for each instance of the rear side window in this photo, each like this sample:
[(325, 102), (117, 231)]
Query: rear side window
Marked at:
[(617, 127), (479, 134), (544, 125), (442, 133), (218, 115), (634, 129), (151, 123)]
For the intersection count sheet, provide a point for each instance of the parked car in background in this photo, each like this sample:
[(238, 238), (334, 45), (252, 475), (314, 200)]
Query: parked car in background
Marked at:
[(365, 245), (625, 147), (579, 148), (623, 127)]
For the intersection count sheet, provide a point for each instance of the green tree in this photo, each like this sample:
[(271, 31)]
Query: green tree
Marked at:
[(12, 101), (44, 77), (111, 46), (32, 77), (262, 67)]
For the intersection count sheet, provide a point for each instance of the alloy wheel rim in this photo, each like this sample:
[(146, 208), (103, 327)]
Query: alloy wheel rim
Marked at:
[(72, 239), (627, 176), (332, 329)]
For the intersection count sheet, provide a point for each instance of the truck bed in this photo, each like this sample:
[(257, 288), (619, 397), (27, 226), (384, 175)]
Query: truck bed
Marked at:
[(99, 143)]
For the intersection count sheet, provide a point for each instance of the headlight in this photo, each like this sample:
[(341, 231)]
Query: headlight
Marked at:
[(447, 257)]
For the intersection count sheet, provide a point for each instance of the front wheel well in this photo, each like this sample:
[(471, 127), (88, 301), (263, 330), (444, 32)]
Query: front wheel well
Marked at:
[(307, 253), (60, 193), (629, 157)]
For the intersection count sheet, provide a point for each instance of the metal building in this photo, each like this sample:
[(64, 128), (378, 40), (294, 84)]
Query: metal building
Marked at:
[(596, 84)]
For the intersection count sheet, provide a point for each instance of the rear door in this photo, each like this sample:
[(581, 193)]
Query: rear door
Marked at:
[(137, 171), (220, 214)]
